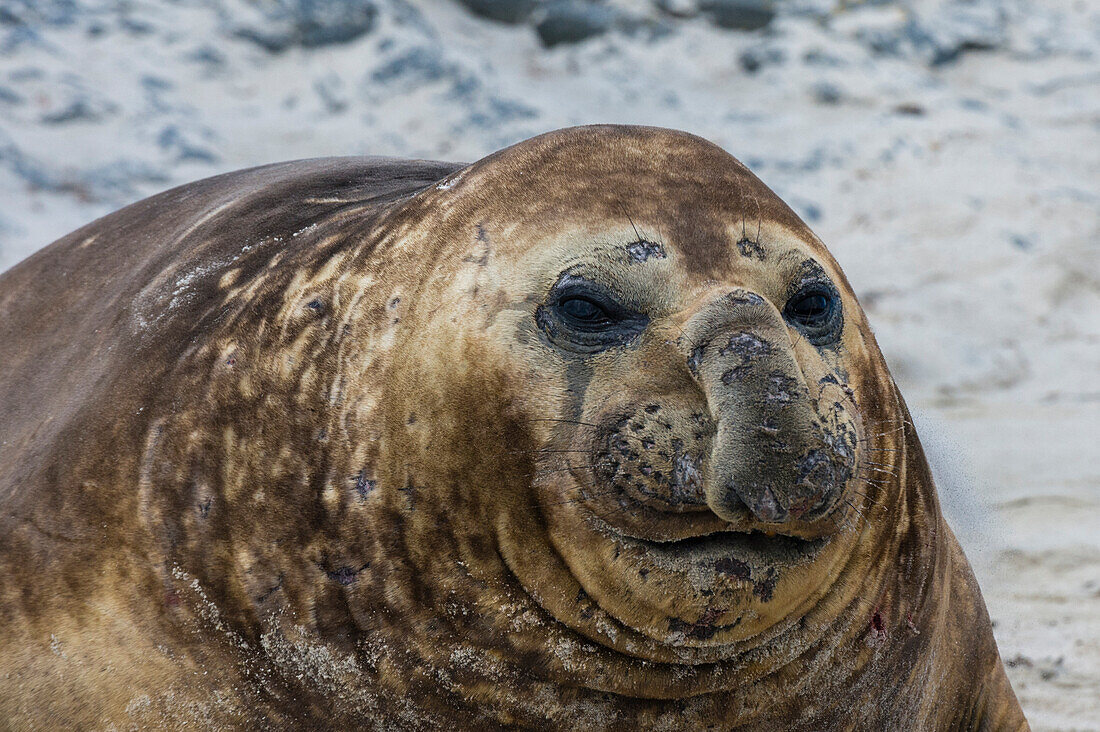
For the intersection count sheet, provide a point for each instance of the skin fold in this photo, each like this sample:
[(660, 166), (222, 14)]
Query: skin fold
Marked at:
[(326, 444)]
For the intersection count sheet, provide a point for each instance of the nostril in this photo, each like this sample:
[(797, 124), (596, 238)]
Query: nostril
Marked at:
[(767, 508), (761, 501)]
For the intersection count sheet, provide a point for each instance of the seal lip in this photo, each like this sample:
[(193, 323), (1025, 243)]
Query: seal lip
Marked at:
[(760, 545)]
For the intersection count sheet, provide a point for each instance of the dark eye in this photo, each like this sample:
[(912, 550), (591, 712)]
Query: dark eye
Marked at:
[(583, 309), (585, 317), (810, 309), (816, 312)]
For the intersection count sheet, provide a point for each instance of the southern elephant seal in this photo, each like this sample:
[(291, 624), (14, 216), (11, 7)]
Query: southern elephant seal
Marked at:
[(592, 432)]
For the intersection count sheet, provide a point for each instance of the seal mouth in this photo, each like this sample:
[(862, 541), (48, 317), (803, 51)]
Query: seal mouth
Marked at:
[(758, 546)]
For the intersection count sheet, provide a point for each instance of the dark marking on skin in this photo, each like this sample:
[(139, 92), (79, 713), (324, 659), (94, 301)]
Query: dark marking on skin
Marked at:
[(808, 271), (412, 419), (765, 587), (687, 478), (204, 507), (750, 248), (321, 434), (482, 259), (409, 489), (745, 344), (730, 567), (345, 575), (702, 629), (394, 302), (781, 389), (817, 469), (696, 359), (878, 626), (641, 250), (652, 409), (740, 297), (316, 306), (748, 347), (271, 590), (231, 361), (363, 484), (545, 322)]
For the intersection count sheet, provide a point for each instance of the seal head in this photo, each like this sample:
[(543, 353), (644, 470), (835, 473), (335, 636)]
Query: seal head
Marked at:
[(684, 364)]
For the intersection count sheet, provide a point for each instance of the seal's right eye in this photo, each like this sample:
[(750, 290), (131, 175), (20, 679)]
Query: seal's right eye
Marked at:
[(584, 312), (585, 317)]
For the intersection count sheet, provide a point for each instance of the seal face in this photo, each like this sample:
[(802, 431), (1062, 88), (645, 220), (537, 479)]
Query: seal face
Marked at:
[(740, 465), (592, 431)]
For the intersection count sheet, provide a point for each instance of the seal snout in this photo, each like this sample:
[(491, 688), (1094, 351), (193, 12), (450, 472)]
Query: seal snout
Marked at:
[(774, 459)]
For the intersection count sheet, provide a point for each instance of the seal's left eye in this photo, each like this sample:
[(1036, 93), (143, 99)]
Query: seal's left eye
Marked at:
[(816, 312), (810, 308)]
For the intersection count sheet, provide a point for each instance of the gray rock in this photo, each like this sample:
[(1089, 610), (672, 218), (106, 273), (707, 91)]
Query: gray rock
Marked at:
[(572, 21), (206, 55), (415, 67), (330, 90), (944, 36), (935, 35), (309, 23), (757, 57), (679, 8), (826, 92), (77, 109), (504, 11), (56, 13), (740, 14), (182, 144), (10, 97), (497, 111), (117, 182)]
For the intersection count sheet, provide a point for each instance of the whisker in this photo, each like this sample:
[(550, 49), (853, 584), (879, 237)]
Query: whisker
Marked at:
[(879, 470), (586, 424), (571, 468), (882, 434)]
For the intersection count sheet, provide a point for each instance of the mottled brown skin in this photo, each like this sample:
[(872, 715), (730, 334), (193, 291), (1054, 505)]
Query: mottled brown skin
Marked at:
[(305, 446)]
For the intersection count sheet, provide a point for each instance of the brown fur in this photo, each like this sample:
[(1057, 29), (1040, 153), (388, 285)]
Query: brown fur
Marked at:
[(290, 448)]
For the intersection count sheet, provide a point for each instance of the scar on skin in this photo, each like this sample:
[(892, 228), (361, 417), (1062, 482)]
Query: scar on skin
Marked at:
[(750, 248), (363, 484), (642, 250)]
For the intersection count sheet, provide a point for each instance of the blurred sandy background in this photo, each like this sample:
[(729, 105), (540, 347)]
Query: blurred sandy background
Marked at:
[(947, 151)]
